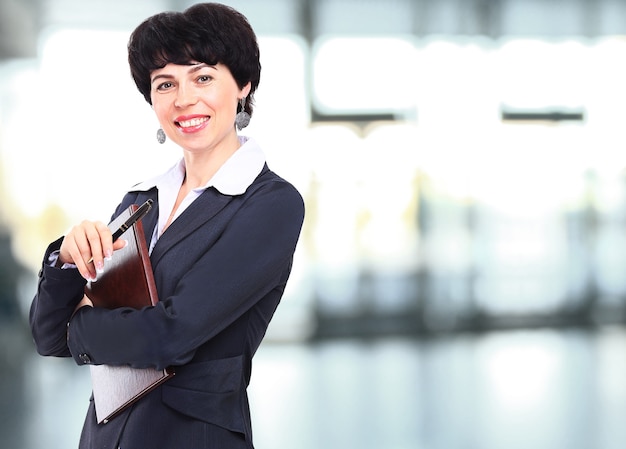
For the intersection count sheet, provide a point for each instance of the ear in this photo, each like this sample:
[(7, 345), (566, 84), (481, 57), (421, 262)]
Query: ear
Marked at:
[(245, 90)]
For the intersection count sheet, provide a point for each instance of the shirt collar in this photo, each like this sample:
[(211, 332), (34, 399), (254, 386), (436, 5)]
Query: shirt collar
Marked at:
[(232, 178)]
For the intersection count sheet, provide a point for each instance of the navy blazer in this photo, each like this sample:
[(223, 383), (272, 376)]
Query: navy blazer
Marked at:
[(220, 270)]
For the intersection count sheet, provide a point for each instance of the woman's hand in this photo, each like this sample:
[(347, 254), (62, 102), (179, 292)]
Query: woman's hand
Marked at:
[(84, 302), (87, 245)]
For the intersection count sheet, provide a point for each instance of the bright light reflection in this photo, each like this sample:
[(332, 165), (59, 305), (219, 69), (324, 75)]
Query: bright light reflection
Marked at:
[(387, 177), (362, 187), (533, 73), (334, 215), (454, 84), (17, 136), (97, 135), (605, 74), (364, 74), (521, 373), (281, 103)]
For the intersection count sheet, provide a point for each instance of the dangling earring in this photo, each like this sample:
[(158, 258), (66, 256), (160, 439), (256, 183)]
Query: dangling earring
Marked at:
[(161, 136), (242, 119)]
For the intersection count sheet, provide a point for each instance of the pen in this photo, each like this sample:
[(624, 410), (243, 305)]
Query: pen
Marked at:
[(134, 218)]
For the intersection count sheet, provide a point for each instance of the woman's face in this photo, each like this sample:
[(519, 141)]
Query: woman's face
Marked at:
[(196, 105)]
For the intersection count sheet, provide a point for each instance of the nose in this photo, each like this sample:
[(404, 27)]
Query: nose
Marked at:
[(185, 96)]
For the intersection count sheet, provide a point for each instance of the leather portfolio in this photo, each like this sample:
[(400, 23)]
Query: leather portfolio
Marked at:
[(127, 281), (117, 387)]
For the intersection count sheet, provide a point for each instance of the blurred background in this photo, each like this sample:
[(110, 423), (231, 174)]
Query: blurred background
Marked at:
[(460, 281)]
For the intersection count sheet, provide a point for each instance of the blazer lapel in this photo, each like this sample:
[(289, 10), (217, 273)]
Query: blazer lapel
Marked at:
[(205, 207)]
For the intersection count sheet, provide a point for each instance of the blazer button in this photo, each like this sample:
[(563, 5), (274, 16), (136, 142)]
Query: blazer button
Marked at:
[(85, 358)]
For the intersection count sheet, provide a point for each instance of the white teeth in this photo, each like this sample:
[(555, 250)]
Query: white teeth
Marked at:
[(193, 122)]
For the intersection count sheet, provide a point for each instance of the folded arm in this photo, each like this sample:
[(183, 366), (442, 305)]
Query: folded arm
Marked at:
[(250, 260)]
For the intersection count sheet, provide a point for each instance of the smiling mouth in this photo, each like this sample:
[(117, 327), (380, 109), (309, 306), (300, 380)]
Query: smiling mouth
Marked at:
[(193, 122)]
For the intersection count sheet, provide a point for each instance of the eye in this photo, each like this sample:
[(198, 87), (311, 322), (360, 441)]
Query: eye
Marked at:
[(204, 79), (164, 86)]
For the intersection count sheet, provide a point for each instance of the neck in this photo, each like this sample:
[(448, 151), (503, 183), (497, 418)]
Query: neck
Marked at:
[(201, 167)]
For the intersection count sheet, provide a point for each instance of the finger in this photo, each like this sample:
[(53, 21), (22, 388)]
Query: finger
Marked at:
[(99, 239), (81, 252), (85, 302), (86, 269), (69, 246), (119, 244), (106, 239), (81, 242)]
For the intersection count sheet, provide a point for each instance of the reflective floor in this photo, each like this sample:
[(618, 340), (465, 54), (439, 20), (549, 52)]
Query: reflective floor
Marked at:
[(509, 390)]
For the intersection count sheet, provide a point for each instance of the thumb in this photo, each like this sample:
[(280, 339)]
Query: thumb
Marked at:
[(119, 244)]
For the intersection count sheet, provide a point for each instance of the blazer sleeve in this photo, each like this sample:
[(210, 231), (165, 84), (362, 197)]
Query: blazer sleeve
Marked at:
[(58, 293), (250, 259)]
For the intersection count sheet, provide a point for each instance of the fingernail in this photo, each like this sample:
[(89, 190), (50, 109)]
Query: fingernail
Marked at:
[(108, 254), (99, 267)]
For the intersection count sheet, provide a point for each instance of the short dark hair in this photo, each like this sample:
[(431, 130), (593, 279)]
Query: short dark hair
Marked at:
[(211, 33)]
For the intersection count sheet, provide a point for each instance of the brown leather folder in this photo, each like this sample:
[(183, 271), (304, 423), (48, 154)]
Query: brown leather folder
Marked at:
[(127, 281)]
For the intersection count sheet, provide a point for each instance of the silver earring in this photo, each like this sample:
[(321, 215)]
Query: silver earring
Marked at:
[(242, 119), (161, 136)]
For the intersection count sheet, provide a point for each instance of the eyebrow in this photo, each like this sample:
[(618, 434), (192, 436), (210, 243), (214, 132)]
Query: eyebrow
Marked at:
[(194, 68)]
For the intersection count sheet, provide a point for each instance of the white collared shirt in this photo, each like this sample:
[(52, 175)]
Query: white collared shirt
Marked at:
[(233, 178)]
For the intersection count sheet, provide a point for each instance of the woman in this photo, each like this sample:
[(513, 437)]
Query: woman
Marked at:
[(222, 236)]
